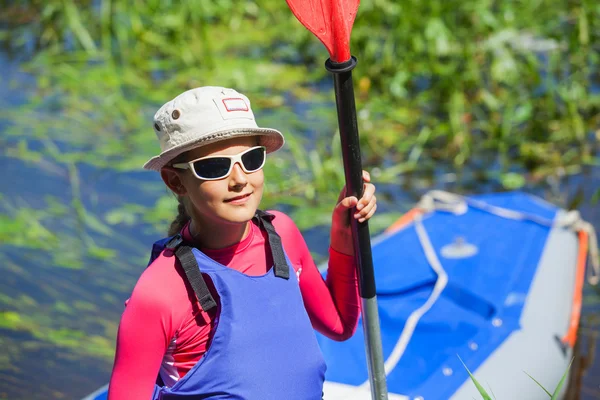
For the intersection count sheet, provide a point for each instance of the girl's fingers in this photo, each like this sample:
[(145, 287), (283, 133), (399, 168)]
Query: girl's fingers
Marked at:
[(364, 212), (369, 215), (369, 190), (366, 176)]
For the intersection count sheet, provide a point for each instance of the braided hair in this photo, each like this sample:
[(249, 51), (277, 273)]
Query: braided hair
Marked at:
[(183, 214)]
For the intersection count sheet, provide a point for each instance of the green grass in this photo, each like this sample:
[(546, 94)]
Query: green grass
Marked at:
[(441, 82), (553, 396), (442, 85)]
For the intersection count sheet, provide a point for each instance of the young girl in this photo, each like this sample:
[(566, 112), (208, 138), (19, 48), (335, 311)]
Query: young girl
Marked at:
[(227, 306)]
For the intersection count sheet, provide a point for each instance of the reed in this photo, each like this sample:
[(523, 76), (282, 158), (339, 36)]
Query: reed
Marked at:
[(498, 93), (553, 396)]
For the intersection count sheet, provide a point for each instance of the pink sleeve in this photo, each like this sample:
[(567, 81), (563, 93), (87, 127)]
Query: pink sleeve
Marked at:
[(144, 333), (333, 306)]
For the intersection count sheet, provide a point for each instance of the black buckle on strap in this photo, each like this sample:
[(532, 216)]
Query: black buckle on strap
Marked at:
[(174, 242)]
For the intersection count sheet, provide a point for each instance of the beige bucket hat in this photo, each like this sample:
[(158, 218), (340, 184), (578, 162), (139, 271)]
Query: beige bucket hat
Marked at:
[(206, 115)]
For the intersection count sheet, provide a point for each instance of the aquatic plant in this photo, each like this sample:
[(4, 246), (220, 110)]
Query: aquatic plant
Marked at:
[(553, 396), (511, 84), (498, 93)]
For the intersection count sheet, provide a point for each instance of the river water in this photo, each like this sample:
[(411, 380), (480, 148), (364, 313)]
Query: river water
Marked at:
[(60, 302)]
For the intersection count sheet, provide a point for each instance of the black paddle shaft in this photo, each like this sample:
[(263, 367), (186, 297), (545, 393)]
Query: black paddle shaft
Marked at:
[(346, 110)]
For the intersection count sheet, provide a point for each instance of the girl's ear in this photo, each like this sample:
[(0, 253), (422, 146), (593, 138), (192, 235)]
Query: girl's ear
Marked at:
[(172, 179)]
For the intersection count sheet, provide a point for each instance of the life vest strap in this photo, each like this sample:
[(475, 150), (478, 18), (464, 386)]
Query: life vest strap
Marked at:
[(192, 271), (282, 269)]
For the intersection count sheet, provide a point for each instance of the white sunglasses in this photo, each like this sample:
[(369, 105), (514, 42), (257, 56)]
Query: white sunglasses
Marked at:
[(213, 168)]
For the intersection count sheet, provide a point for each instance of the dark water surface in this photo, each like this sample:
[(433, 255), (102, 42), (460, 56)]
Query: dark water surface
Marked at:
[(60, 301)]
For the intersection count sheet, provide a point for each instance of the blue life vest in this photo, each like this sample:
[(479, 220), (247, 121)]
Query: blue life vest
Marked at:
[(264, 346)]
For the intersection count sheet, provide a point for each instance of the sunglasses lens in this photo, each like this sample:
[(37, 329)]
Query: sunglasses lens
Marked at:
[(254, 159), (212, 168), (218, 167)]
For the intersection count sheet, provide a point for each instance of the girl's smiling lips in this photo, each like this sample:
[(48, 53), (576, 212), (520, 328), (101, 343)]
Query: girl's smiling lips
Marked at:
[(239, 199)]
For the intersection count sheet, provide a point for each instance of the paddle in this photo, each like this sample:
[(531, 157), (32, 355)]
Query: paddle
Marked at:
[(331, 21)]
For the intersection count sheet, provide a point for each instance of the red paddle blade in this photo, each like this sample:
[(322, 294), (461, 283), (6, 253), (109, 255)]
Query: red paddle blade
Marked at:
[(329, 20)]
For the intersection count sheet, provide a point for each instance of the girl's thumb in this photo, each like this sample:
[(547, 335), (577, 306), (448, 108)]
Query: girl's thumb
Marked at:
[(347, 203)]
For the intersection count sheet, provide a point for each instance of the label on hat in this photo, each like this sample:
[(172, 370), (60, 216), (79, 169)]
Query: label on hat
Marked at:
[(234, 108), (233, 104)]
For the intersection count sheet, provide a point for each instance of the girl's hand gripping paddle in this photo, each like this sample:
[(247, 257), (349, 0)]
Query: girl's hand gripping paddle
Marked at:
[(331, 21)]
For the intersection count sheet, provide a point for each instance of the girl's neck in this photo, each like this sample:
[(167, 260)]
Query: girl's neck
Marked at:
[(218, 236)]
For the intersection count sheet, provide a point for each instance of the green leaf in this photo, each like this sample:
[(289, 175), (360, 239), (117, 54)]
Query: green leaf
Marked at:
[(562, 381), (493, 395), (480, 388), (539, 384), (78, 28), (101, 253), (553, 396), (96, 225), (121, 216), (512, 180), (594, 200)]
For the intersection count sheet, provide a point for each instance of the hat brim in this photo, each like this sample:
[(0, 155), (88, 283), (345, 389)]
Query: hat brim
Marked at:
[(270, 138)]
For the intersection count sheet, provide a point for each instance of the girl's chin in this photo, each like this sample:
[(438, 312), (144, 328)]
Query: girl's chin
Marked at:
[(238, 214)]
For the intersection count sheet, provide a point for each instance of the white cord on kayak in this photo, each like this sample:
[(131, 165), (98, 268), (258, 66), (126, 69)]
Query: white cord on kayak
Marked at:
[(573, 220), (415, 316), (439, 200)]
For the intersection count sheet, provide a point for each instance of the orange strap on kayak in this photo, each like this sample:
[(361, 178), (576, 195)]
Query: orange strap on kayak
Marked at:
[(571, 336), (403, 220)]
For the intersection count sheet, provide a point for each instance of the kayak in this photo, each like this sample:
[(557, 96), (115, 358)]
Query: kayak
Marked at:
[(492, 283)]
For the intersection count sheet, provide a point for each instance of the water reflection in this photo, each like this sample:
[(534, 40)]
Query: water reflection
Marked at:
[(70, 259)]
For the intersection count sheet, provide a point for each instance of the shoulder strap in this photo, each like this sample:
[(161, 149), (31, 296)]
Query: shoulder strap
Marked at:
[(192, 271), (282, 270)]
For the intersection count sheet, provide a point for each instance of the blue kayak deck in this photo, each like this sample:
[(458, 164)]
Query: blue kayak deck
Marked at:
[(479, 307)]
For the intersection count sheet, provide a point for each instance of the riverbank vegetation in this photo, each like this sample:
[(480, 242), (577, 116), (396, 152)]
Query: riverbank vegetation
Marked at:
[(498, 94)]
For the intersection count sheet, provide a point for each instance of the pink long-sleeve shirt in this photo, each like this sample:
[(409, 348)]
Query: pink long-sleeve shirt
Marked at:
[(163, 331)]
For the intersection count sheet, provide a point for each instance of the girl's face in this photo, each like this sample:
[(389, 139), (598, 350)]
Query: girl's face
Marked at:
[(231, 200)]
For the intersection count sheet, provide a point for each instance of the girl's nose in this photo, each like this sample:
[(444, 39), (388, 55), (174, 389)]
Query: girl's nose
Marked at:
[(238, 177)]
